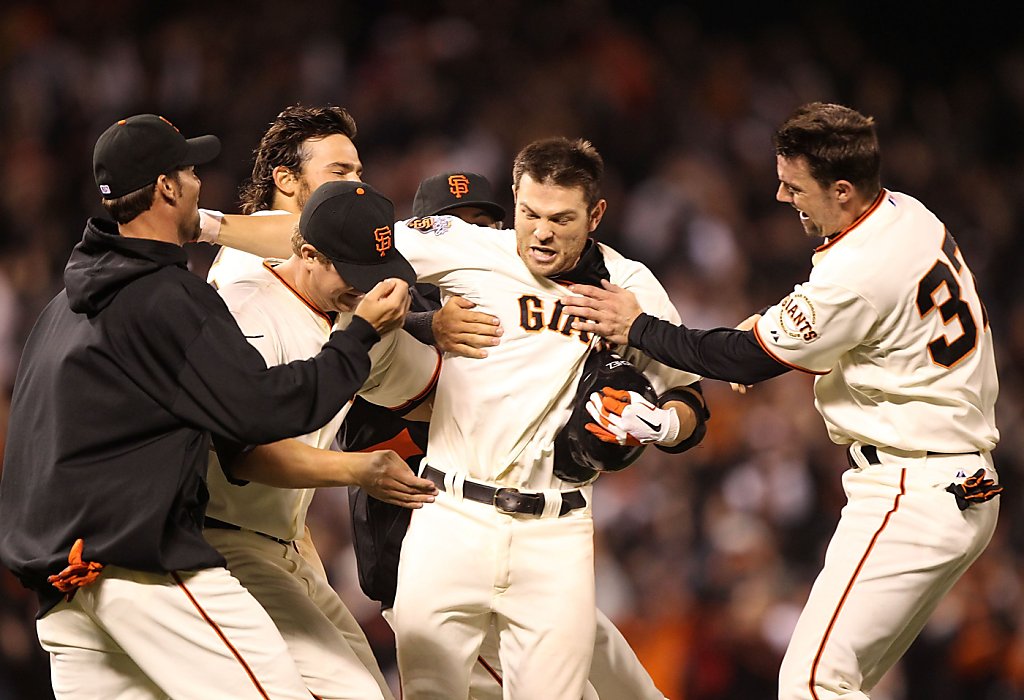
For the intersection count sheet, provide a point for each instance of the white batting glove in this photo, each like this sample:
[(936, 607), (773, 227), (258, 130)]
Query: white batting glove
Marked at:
[(627, 418), (209, 225)]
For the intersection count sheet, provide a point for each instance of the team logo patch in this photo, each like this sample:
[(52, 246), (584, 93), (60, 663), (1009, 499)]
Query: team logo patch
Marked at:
[(383, 237), (797, 317), (437, 225), (458, 185)]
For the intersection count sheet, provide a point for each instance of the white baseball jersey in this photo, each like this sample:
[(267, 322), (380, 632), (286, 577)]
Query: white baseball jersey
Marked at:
[(284, 327), (495, 419), (232, 265), (891, 320)]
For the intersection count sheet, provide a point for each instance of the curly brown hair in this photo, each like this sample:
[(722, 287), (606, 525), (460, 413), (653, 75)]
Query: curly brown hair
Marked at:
[(281, 145)]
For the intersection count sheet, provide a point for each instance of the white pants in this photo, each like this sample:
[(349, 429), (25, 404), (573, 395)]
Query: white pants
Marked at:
[(464, 566), (192, 635), (325, 640), (900, 545), (615, 671)]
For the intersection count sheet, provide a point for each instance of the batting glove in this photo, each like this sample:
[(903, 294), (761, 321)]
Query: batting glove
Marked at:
[(627, 418)]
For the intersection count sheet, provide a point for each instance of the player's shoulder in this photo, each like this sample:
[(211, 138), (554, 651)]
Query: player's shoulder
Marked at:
[(624, 271), (256, 287)]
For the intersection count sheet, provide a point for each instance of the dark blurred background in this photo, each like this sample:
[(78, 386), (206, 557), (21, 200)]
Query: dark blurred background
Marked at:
[(704, 559)]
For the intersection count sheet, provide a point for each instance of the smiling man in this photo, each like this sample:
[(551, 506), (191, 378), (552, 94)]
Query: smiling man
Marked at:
[(507, 542), (891, 323)]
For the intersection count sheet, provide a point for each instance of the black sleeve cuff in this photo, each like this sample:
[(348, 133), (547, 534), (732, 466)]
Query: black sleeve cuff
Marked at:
[(420, 325), (229, 455), (700, 410)]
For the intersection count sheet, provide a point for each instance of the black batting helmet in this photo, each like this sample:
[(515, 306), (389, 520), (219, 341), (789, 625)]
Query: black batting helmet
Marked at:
[(580, 455)]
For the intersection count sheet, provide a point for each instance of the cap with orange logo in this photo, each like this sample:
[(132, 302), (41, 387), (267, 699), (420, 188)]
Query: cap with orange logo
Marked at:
[(446, 191), (352, 224)]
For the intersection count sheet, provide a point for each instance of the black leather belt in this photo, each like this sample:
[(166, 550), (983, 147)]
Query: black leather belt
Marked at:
[(508, 500), (870, 453), (221, 525)]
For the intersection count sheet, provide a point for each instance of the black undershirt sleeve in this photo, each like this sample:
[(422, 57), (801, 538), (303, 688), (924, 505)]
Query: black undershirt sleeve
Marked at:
[(726, 354)]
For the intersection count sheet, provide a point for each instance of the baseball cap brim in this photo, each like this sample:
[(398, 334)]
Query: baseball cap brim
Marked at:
[(365, 277), (201, 149), (496, 211)]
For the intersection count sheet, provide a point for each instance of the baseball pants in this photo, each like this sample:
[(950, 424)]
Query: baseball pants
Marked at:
[(325, 640), (900, 545), (465, 564), (135, 635)]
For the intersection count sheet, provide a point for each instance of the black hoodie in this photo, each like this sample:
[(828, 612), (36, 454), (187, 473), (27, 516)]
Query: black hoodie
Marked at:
[(124, 377)]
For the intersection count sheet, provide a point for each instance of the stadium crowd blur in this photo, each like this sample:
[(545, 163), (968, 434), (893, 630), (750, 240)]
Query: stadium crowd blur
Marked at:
[(704, 559)]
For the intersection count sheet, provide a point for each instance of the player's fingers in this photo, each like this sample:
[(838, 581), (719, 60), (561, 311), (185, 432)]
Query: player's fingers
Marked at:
[(462, 302), (476, 318), (601, 434), (476, 328), (464, 350), (738, 388), (620, 394)]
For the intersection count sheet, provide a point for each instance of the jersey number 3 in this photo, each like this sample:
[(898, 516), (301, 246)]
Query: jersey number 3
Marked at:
[(943, 352)]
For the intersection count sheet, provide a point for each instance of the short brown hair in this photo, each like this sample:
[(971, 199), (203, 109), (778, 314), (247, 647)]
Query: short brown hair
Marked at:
[(839, 143), (562, 162), (127, 207), (298, 241), (281, 145)]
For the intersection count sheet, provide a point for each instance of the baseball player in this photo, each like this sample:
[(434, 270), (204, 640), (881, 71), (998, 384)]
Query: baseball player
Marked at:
[(507, 542), (615, 671), (303, 148), (125, 376), (286, 309), (891, 324)]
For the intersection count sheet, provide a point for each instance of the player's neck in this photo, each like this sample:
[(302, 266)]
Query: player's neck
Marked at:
[(283, 202)]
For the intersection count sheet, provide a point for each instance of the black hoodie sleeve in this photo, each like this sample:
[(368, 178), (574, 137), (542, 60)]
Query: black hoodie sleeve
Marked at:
[(726, 354), (207, 374)]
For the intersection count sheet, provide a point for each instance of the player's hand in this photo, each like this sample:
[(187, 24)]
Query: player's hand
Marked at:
[(608, 311), (460, 331), (744, 325), (627, 418), (384, 307), (385, 476)]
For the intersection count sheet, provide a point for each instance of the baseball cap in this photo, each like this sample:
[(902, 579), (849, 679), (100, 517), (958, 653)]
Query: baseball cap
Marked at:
[(439, 193), (351, 223), (135, 151)]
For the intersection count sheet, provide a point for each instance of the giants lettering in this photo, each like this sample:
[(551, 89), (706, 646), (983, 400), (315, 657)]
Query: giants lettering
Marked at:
[(532, 318)]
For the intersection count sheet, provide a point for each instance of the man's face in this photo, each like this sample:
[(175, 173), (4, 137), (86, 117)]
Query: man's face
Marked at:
[(327, 159), (552, 225), (188, 224), (474, 215), (820, 211), (326, 288)]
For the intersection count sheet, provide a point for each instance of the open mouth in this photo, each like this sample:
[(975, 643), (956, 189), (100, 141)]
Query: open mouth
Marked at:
[(542, 255), (803, 216)]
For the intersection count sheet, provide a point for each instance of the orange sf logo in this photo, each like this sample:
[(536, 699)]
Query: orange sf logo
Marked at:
[(383, 237), (458, 185)]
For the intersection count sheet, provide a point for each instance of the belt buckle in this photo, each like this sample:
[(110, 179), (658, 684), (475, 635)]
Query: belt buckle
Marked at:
[(512, 501)]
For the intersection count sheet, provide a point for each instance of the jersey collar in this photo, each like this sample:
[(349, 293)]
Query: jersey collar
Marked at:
[(829, 242), (328, 317)]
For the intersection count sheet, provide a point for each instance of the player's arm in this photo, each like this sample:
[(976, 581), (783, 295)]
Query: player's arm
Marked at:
[(293, 464), (726, 354), (265, 236)]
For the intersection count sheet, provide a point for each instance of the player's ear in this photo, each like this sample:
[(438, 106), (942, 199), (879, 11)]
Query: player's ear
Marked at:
[(597, 213), (166, 187), (844, 190), (308, 253), (285, 180)]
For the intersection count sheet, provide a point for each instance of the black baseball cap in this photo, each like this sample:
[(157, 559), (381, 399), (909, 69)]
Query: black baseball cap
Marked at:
[(439, 193), (135, 151), (353, 225)]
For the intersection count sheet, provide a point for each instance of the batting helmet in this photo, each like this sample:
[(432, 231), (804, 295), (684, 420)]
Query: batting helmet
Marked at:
[(579, 455)]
